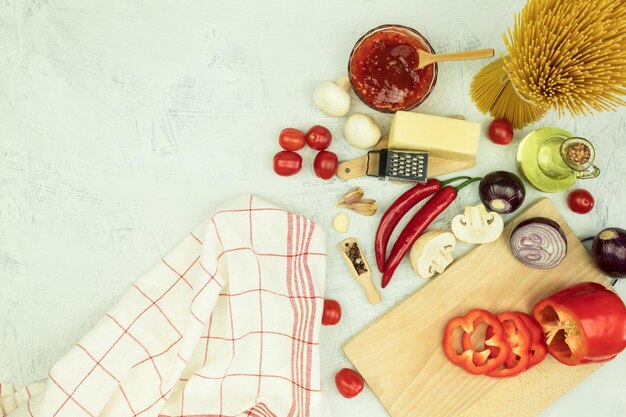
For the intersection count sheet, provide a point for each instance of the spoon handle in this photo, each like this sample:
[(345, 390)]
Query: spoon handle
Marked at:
[(456, 56), (372, 294)]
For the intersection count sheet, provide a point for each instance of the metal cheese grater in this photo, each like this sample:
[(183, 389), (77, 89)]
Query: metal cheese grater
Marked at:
[(408, 166)]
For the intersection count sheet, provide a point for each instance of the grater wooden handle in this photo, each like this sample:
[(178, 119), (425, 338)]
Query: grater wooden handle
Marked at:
[(357, 167)]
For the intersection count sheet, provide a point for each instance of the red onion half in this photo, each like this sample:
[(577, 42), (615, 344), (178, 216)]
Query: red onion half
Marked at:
[(609, 252), (539, 243)]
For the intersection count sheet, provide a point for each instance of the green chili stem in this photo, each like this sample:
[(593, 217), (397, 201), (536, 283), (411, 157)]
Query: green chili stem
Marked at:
[(451, 180), (458, 187)]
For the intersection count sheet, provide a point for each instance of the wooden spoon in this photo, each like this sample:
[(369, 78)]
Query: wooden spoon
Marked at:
[(426, 58), (364, 278)]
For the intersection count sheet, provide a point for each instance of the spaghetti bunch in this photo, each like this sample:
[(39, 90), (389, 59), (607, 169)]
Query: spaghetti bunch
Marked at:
[(564, 54)]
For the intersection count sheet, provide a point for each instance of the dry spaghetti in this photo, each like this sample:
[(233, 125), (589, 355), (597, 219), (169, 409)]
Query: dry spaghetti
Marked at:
[(569, 55)]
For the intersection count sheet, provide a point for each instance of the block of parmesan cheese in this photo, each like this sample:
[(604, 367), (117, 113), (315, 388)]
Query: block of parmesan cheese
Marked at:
[(442, 137)]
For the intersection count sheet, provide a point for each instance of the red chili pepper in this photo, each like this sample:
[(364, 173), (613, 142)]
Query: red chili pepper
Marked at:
[(416, 226), (582, 324), (398, 209), (473, 361)]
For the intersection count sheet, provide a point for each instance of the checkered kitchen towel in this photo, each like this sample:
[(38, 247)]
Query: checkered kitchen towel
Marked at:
[(227, 324)]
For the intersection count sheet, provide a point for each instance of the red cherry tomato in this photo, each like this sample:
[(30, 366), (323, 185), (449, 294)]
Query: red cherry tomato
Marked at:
[(291, 139), (501, 132), (325, 164), (349, 383), (332, 313), (318, 138), (580, 201), (287, 163)]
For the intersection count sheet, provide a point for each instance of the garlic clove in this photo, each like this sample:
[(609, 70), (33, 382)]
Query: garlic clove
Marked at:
[(351, 196), (364, 207), (343, 82), (341, 223)]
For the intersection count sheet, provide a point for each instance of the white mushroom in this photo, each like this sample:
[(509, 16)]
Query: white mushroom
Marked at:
[(361, 131), (476, 225), (332, 97), (432, 253)]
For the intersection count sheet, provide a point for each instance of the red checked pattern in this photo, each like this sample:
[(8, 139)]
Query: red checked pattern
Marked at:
[(226, 325)]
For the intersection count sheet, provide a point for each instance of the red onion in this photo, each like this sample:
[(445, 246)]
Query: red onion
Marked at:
[(609, 252), (539, 243), (502, 192)]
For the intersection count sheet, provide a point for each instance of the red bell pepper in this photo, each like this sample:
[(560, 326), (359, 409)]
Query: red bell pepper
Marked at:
[(519, 341), (476, 362), (538, 349), (582, 324)]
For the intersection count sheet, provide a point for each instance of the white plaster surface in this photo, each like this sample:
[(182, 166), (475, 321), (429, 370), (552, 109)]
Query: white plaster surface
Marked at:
[(124, 123)]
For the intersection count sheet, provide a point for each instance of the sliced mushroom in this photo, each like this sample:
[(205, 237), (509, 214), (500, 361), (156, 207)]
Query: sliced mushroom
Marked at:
[(476, 225), (432, 253)]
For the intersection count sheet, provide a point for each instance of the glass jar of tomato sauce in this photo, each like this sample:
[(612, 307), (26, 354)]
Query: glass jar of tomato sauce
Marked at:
[(383, 69)]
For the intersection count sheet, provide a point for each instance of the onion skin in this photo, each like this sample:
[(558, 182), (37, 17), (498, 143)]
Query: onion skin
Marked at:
[(502, 192), (541, 232), (609, 252)]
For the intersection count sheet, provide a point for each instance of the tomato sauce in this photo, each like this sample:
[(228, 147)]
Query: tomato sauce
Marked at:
[(384, 74)]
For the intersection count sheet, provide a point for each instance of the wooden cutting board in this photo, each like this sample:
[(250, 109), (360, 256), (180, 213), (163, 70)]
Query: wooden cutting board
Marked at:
[(401, 358)]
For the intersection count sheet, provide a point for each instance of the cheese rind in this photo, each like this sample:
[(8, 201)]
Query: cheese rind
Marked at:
[(442, 137)]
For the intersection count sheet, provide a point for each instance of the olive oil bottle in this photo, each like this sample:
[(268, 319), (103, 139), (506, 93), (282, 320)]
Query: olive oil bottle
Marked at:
[(552, 159)]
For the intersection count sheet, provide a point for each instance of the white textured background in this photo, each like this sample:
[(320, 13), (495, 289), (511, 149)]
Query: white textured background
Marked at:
[(124, 123)]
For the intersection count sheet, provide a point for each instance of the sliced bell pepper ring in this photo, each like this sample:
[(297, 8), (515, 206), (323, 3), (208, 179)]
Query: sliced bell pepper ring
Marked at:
[(473, 361), (582, 324), (519, 339), (538, 349), (519, 342), (466, 342)]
